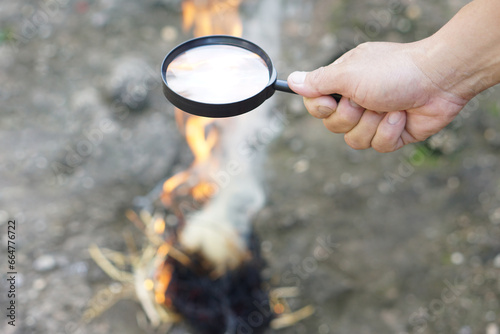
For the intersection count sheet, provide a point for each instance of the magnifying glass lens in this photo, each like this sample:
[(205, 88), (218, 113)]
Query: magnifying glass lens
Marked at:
[(217, 74)]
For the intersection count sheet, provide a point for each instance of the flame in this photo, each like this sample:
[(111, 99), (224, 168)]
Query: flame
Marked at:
[(201, 139), (205, 17), (162, 280), (211, 17), (159, 226), (200, 142)]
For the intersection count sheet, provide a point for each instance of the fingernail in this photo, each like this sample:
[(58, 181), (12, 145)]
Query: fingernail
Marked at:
[(324, 111), (298, 78), (354, 104), (394, 117)]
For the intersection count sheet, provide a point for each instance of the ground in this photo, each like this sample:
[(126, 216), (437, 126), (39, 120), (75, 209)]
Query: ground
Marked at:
[(406, 242)]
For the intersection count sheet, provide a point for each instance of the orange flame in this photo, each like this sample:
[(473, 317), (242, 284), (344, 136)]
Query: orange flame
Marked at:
[(205, 17), (201, 140), (209, 17)]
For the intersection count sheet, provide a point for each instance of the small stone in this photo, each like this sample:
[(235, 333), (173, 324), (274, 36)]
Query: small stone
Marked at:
[(301, 166), (446, 142), (323, 329), (346, 178), (457, 258), (496, 261), (492, 328), (404, 25), (490, 316), (495, 216), (45, 263), (465, 330), (39, 284), (413, 12), (169, 33)]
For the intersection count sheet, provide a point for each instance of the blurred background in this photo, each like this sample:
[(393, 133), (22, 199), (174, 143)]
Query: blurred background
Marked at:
[(406, 242)]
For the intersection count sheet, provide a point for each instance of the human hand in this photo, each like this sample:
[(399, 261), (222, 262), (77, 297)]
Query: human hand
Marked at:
[(391, 97)]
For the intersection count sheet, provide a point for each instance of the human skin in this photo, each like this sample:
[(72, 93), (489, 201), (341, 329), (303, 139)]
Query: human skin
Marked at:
[(394, 93)]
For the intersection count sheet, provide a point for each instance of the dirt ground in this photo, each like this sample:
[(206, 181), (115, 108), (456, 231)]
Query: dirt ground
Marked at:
[(406, 242)]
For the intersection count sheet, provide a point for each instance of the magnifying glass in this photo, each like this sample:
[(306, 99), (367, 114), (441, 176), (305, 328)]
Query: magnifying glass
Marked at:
[(220, 76)]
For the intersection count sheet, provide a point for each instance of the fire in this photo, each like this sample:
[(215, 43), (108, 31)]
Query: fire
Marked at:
[(170, 274), (163, 278), (212, 17), (205, 17), (201, 138)]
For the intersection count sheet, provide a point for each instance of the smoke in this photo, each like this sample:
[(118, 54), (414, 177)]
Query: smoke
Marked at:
[(220, 231)]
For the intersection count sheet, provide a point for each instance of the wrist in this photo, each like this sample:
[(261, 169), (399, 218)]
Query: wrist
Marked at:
[(463, 57)]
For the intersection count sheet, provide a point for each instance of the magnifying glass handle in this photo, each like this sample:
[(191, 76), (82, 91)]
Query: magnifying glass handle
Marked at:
[(282, 86)]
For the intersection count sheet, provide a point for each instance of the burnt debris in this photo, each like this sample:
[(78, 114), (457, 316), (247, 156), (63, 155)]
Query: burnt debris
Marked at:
[(234, 303)]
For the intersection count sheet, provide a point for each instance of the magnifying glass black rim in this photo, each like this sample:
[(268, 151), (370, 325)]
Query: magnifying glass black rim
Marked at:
[(223, 109)]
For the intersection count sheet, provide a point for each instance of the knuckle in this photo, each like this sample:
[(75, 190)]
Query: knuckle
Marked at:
[(381, 148), (332, 126), (312, 107), (355, 142), (347, 119), (343, 118), (383, 142), (309, 102), (384, 137), (318, 78)]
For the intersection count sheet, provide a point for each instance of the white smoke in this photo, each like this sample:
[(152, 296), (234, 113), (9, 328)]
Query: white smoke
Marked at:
[(220, 230)]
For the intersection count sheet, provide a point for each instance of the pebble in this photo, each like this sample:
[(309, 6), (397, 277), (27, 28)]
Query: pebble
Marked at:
[(403, 25), (323, 329), (413, 12), (39, 284), (169, 33), (490, 316), (45, 263), (496, 261), (495, 216), (446, 142), (301, 166), (492, 328), (465, 330), (457, 258)]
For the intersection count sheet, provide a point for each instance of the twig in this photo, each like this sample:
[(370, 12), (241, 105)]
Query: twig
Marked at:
[(289, 319), (108, 267)]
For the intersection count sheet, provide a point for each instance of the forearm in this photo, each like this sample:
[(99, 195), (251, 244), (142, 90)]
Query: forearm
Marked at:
[(463, 57)]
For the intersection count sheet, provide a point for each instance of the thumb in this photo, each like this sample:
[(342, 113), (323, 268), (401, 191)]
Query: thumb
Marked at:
[(323, 81)]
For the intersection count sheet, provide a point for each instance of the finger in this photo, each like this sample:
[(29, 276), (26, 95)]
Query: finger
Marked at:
[(320, 107), (296, 82), (323, 81), (345, 117), (360, 137), (390, 132)]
